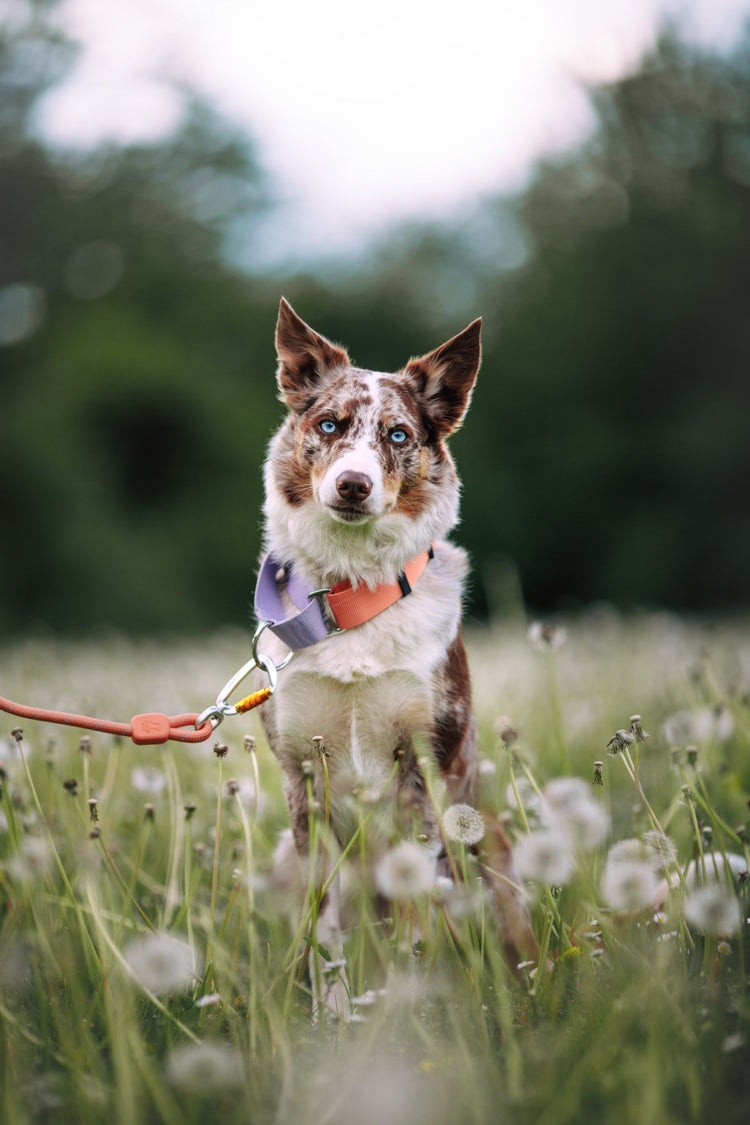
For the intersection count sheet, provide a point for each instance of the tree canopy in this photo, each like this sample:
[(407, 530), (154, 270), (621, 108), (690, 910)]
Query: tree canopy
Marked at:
[(605, 456)]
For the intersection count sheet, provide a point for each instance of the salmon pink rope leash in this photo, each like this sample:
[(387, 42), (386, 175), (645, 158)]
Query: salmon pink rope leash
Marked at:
[(155, 728), (144, 730)]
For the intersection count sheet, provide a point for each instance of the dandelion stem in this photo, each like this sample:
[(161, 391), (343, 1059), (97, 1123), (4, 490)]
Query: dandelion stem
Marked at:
[(215, 872)]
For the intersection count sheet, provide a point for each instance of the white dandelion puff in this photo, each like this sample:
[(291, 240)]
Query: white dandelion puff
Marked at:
[(713, 724), (148, 780), (547, 638), (563, 793), (544, 857), (204, 1068), (33, 861), (713, 909), (661, 850), (714, 870), (463, 824), (404, 872), (161, 963), (570, 810), (629, 884), (708, 724)]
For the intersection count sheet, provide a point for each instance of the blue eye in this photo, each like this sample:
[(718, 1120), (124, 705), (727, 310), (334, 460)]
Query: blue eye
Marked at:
[(328, 426), (398, 436)]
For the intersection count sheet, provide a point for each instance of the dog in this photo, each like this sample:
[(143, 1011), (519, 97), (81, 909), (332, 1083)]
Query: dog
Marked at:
[(360, 580)]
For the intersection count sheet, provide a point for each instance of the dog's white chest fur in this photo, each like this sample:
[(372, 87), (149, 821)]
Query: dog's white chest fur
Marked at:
[(366, 689)]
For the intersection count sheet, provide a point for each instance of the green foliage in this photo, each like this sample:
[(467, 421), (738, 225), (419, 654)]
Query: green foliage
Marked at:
[(605, 455), (152, 970)]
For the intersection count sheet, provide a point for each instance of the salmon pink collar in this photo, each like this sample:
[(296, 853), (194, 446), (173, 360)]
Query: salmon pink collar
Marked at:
[(321, 613)]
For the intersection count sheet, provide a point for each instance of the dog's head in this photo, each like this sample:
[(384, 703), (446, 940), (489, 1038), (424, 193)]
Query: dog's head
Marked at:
[(363, 449)]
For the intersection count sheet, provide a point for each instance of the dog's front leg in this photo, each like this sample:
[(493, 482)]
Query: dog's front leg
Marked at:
[(314, 847)]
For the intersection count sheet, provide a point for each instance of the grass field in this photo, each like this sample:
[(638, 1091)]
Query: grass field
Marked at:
[(150, 970)]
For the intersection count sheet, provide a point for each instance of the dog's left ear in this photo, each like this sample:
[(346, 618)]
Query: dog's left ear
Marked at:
[(446, 377), (305, 358)]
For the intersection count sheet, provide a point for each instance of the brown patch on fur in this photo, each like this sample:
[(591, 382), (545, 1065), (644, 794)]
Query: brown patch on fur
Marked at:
[(445, 377), (292, 475), (305, 358), (414, 501), (453, 734)]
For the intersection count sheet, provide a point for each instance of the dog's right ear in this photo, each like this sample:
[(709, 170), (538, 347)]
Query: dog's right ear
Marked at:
[(305, 358)]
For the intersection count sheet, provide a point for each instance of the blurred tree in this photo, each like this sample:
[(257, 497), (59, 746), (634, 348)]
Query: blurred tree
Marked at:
[(618, 374), (605, 456), (133, 420)]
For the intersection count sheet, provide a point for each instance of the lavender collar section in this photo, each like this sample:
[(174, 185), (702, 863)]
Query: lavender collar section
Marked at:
[(301, 629)]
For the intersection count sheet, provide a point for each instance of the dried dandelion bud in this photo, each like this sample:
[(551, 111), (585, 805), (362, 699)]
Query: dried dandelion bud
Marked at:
[(93, 809), (598, 778), (17, 733), (249, 744), (319, 745), (507, 732), (619, 741), (636, 729), (233, 788), (85, 745), (189, 810), (148, 811), (221, 750), (547, 638), (692, 755), (71, 786)]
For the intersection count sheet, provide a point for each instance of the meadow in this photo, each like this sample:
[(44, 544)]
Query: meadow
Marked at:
[(151, 969)]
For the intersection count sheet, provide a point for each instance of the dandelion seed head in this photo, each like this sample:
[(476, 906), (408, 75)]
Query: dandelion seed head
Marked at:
[(543, 857), (463, 824), (714, 870), (713, 909), (629, 884), (161, 963), (507, 732), (661, 850), (405, 872), (33, 860), (571, 811), (204, 1068), (148, 780), (547, 638)]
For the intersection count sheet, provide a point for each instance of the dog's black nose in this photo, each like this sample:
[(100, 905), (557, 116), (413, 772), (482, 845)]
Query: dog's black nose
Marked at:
[(353, 487)]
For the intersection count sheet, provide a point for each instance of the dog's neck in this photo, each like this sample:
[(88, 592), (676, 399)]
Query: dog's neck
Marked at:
[(374, 553)]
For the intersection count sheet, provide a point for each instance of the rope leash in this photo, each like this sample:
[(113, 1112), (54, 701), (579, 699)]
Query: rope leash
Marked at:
[(153, 728), (145, 730)]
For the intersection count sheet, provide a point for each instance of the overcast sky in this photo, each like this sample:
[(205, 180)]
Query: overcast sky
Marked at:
[(365, 113)]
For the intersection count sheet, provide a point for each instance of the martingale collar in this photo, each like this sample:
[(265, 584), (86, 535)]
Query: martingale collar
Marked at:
[(322, 613)]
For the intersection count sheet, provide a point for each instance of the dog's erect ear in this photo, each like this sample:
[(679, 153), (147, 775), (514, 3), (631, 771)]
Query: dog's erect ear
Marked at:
[(446, 377), (304, 358)]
